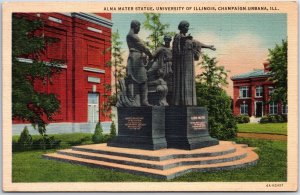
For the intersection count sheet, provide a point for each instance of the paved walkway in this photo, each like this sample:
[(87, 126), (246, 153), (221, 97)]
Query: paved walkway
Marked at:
[(263, 136)]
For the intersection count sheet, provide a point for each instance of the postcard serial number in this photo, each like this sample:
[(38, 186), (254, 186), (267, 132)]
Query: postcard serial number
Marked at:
[(276, 185)]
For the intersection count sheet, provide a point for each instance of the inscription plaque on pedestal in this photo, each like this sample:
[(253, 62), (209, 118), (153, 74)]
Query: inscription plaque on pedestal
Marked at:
[(141, 127), (187, 128)]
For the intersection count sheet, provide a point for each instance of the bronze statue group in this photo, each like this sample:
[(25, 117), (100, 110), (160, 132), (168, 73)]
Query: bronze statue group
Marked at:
[(167, 74)]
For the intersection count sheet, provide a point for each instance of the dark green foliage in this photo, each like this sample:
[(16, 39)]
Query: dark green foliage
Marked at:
[(221, 121), (65, 141), (98, 136), (157, 30), (113, 131), (28, 104), (25, 140), (48, 142), (278, 66), (242, 119), (273, 119)]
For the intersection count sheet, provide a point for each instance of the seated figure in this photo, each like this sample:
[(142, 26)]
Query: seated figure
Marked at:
[(160, 73)]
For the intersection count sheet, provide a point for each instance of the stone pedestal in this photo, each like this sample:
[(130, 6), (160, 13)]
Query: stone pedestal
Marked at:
[(141, 128), (187, 127)]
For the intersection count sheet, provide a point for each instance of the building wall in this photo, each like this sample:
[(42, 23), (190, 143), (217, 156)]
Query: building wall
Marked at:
[(82, 41), (252, 83)]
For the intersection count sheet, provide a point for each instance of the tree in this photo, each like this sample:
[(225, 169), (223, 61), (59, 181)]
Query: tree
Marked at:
[(221, 122), (113, 131), (98, 136), (117, 59), (110, 100), (212, 74), (25, 140), (157, 30), (278, 67), (27, 103), (120, 70)]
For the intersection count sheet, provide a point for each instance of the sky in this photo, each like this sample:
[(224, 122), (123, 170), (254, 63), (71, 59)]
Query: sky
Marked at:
[(241, 40)]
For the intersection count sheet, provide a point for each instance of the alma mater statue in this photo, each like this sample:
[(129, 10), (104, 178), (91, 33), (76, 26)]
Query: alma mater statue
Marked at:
[(185, 51)]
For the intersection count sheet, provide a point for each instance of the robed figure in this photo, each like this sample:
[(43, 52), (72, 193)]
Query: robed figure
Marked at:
[(185, 51)]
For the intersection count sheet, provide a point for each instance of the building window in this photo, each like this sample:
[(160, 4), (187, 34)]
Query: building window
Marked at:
[(273, 108), (244, 92), (259, 91), (93, 107), (244, 109), (271, 89), (284, 109)]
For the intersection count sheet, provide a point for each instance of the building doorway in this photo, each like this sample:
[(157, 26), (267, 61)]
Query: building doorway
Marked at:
[(93, 107), (258, 109)]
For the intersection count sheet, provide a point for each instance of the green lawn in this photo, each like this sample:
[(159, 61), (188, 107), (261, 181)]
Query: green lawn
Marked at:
[(31, 167), (273, 128)]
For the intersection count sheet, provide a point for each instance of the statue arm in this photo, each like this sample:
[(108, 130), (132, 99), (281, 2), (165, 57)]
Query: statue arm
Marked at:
[(202, 45), (140, 45)]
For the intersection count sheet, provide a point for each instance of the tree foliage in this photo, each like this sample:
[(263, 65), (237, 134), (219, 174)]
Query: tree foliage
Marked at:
[(278, 67), (221, 121), (113, 131), (157, 30), (98, 136), (212, 75), (27, 103), (117, 59), (25, 140)]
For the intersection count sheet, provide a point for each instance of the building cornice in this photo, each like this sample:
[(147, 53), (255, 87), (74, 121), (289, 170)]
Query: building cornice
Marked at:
[(93, 18)]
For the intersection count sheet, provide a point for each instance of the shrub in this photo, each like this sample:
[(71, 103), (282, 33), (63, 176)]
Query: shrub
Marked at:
[(98, 136), (47, 142), (242, 119), (222, 124), (25, 141), (113, 131), (264, 119), (273, 119)]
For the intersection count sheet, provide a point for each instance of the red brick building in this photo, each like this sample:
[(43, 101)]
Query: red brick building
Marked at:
[(251, 94), (82, 40)]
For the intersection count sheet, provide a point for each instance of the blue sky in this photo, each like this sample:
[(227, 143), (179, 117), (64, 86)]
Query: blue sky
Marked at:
[(270, 27), (241, 40)]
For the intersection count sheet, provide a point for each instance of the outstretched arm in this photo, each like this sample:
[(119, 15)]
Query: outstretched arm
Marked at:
[(202, 45)]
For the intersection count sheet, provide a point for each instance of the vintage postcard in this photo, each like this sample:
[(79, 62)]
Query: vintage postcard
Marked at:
[(150, 96)]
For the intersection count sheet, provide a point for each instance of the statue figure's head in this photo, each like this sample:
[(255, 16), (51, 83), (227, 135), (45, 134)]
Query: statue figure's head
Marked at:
[(184, 26), (135, 25), (167, 38)]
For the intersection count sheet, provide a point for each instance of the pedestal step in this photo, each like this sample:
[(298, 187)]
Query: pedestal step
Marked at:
[(164, 163), (159, 155)]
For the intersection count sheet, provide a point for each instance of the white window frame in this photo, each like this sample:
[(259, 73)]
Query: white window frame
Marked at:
[(272, 109), (94, 118), (245, 106), (259, 90), (284, 108), (242, 89)]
